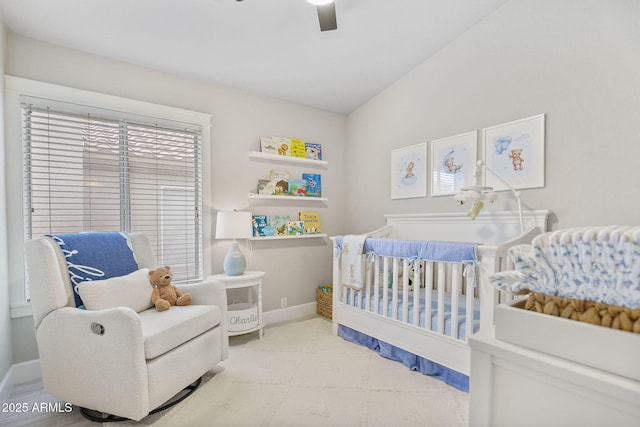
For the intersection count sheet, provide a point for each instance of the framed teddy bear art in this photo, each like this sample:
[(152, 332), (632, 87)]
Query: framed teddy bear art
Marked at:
[(409, 171), (515, 152)]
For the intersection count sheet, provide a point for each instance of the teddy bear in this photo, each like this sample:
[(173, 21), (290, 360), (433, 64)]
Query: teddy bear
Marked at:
[(451, 166), (164, 294), (516, 159), (410, 173), (476, 207)]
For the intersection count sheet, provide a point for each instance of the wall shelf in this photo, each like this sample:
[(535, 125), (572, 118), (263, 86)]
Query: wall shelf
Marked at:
[(258, 155), (280, 199), (295, 236), (290, 198)]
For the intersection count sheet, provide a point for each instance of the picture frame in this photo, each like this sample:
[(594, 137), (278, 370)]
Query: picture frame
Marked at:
[(453, 162), (409, 171), (514, 154)]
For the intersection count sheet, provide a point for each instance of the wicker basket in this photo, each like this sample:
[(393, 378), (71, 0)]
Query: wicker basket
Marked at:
[(606, 315), (324, 298)]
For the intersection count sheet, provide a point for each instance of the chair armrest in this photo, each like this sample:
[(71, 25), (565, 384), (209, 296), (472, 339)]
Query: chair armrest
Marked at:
[(207, 292), (211, 292), (84, 363)]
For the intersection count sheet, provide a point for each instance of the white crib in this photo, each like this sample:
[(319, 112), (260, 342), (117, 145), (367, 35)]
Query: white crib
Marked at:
[(447, 295)]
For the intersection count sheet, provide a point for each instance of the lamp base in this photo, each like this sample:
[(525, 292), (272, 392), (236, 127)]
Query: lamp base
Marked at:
[(234, 262)]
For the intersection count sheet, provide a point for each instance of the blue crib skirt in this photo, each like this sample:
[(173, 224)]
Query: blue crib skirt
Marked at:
[(410, 360)]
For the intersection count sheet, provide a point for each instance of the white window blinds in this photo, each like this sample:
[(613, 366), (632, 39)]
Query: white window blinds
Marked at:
[(87, 169)]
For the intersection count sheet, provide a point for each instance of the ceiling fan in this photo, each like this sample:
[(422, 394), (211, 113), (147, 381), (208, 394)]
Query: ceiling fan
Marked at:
[(326, 14)]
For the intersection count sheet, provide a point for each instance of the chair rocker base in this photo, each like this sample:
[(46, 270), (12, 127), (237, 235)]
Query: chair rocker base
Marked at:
[(101, 417)]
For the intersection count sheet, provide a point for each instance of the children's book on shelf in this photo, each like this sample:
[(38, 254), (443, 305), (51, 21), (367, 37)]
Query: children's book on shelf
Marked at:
[(295, 227), (298, 148), (313, 151), (279, 224), (259, 222), (283, 145), (314, 184), (311, 222), (297, 187), (281, 181), (266, 187), (269, 231), (267, 145)]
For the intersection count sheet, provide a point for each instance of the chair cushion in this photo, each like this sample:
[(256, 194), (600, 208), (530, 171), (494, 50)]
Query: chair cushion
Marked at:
[(165, 330), (132, 290)]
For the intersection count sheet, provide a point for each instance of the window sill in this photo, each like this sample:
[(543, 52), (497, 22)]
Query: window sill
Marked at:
[(21, 310)]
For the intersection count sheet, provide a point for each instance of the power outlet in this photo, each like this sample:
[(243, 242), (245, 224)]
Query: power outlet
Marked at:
[(283, 302)]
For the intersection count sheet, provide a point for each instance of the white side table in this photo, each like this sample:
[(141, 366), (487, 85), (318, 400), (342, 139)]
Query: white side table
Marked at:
[(246, 280)]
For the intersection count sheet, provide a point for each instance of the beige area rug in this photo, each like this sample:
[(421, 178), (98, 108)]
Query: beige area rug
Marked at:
[(301, 375)]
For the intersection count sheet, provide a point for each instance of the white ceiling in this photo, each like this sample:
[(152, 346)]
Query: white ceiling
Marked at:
[(272, 47)]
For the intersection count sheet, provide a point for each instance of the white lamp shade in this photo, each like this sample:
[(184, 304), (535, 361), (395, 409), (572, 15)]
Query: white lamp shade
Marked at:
[(233, 225)]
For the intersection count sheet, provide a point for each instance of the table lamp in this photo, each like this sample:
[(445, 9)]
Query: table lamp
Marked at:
[(234, 225)]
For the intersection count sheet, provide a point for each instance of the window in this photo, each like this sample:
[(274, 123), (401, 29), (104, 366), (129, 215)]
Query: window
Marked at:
[(90, 169)]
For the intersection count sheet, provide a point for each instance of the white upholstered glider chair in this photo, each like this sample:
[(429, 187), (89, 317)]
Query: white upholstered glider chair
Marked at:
[(118, 356)]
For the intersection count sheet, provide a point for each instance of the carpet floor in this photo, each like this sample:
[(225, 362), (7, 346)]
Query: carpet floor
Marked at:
[(299, 375)]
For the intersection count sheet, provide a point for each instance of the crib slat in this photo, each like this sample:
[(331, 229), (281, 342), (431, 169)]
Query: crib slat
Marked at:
[(376, 284), (428, 292), (394, 293), (405, 291), (441, 288), (416, 292), (385, 293), (456, 276), (470, 308), (368, 280)]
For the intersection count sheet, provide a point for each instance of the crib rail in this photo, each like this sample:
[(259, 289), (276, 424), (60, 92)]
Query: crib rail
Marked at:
[(452, 300), (429, 295)]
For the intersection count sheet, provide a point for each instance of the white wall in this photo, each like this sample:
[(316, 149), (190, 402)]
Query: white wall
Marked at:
[(5, 319), (577, 61), (239, 120)]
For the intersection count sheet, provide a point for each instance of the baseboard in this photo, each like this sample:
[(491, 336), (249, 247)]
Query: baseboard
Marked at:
[(288, 314), (17, 374)]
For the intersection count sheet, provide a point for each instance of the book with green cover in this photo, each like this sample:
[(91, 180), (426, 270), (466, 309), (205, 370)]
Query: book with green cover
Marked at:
[(297, 187)]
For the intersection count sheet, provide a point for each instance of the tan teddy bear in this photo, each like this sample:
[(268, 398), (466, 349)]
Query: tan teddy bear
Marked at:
[(516, 159), (164, 294)]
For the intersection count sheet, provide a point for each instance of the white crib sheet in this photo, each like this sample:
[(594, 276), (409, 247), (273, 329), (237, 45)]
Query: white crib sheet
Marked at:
[(462, 303)]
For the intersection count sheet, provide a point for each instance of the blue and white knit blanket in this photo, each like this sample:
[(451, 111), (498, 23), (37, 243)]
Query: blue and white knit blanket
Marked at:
[(95, 256), (600, 264)]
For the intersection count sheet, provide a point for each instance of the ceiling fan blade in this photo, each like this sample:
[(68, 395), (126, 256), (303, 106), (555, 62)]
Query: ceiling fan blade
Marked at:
[(327, 17)]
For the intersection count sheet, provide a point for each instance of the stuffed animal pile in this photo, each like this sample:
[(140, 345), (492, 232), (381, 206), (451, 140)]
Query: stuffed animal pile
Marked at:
[(165, 294)]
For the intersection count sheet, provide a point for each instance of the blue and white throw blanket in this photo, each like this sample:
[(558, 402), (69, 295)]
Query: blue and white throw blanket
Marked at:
[(600, 264), (95, 256)]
